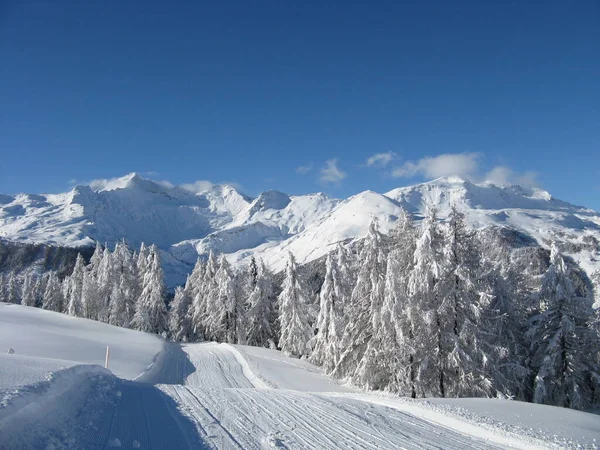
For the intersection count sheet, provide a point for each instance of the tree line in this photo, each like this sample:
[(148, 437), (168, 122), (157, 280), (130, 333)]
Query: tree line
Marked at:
[(424, 311)]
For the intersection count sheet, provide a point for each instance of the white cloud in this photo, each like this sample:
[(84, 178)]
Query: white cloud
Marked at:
[(197, 186), (331, 173), (499, 175), (460, 164), (380, 159), (303, 170), (502, 175)]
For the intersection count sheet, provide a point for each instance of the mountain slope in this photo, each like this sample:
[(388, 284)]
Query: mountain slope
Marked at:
[(185, 224)]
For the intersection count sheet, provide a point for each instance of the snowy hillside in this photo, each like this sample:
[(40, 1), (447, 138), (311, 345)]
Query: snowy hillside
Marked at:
[(211, 395), (185, 224)]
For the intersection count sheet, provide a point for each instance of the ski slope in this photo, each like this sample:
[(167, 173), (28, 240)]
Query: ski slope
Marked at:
[(221, 396)]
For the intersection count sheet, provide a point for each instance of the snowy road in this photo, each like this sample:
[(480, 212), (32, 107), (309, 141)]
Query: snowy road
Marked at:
[(207, 396), (228, 411)]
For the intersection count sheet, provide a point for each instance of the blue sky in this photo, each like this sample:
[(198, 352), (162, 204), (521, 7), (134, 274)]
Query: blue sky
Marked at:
[(297, 96)]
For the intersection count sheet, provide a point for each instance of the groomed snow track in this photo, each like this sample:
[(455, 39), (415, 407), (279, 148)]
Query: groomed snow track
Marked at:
[(200, 396)]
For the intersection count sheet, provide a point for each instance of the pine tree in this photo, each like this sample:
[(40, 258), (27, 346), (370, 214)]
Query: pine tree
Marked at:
[(29, 296), (563, 344), (13, 293), (293, 313), (465, 337), (53, 295), (364, 308), (125, 288), (202, 298), (180, 323), (151, 311), (330, 322), (426, 322), (260, 308), (194, 289), (106, 278), (225, 314), (3, 290), (75, 305), (396, 333)]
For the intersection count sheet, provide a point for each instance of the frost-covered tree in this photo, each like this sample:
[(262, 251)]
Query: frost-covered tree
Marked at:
[(125, 286), (13, 294), (202, 296), (74, 291), (96, 259), (395, 336), (467, 344), (53, 294), (40, 288), (260, 307), (364, 310), (563, 344), (293, 313), (29, 296), (3, 290), (219, 307), (423, 290), (180, 320), (330, 321), (106, 278), (151, 311)]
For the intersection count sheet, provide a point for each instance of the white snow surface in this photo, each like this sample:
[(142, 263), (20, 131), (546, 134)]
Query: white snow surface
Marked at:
[(44, 341), (186, 224), (211, 395)]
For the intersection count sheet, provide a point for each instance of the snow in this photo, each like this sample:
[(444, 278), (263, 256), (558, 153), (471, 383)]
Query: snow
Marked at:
[(277, 371), (185, 223), (43, 340), (213, 395), (566, 426)]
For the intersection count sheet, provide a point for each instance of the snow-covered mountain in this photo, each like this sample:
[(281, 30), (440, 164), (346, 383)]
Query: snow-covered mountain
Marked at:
[(186, 224)]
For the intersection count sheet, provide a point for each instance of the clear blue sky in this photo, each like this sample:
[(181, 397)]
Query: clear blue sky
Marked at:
[(249, 91)]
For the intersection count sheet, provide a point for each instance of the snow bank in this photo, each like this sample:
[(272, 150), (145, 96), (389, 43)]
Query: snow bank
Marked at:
[(44, 336), (278, 371), (566, 427), (62, 412)]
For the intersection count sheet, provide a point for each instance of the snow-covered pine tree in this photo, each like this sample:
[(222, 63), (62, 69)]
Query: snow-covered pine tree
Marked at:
[(151, 311), (219, 322), (194, 288), (90, 295), (238, 308), (396, 333), (203, 298), (364, 309), (180, 323), (330, 322), (53, 294), (466, 340), (260, 308), (96, 259), (293, 313), (125, 287), (40, 288), (423, 291), (3, 290), (143, 260), (13, 291), (29, 294), (563, 344), (74, 290), (106, 279)]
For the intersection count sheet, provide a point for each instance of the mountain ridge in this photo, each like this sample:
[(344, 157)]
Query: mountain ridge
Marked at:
[(187, 222)]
